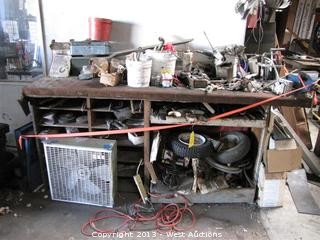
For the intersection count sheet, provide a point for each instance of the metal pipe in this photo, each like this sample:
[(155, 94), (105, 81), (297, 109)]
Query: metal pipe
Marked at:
[(142, 49)]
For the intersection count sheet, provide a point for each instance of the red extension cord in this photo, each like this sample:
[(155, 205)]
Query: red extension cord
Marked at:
[(167, 218)]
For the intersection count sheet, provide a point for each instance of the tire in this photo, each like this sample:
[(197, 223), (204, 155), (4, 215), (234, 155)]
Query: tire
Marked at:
[(237, 152), (201, 149), (221, 167)]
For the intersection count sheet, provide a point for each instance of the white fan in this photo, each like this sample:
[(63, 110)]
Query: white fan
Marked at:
[(82, 170)]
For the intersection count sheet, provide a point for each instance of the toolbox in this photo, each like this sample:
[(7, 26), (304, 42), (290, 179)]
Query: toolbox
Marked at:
[(89, 48)]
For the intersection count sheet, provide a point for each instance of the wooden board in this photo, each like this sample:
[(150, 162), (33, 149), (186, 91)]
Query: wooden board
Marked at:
[(73, 88), (228, 195)]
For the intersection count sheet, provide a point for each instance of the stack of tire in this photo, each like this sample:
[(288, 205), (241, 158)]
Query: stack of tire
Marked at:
[(203, 147), (238, 143)]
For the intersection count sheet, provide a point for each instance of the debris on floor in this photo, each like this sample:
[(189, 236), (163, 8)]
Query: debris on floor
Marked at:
[(5, 210)]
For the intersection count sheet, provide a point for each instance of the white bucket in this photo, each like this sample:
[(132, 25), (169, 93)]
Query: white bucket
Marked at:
[(139, 73), (165, 61)]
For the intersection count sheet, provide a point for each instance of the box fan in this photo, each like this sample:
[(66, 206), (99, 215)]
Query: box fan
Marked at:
[(82, 170)]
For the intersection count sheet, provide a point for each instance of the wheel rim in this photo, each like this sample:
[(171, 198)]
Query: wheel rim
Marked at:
[(198, 139)]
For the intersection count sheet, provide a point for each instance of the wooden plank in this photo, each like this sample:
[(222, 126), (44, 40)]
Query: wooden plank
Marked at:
[(300, 64), (90, 114), (73, 125), (227, 122), (71, 87), (35, 120), (228, 195), (146, 149), (148, 167), (290, 22), (297, 119), (262, 145)]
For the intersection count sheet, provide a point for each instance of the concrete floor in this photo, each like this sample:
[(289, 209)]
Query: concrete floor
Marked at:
[(47, 219)]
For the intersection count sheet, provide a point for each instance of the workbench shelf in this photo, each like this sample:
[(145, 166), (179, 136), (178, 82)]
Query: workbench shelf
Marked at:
[(239, 193), (93, 99), (105, 110), (65, 125), (225, 122), (75, 109)]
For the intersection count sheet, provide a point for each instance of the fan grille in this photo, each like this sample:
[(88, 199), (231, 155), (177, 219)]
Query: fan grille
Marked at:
[(81, 175)]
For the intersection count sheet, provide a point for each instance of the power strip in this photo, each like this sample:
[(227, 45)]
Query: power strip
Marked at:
[(143, 194)]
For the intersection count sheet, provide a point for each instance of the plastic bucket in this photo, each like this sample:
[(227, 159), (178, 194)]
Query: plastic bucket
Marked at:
[(139, 73), (162, 61), (99, 29)]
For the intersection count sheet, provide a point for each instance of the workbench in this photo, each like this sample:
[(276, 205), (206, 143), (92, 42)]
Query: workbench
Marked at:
[(92, 91), (73, 88)]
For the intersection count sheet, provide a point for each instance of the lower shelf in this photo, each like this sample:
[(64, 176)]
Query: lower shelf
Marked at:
[(228, 195)]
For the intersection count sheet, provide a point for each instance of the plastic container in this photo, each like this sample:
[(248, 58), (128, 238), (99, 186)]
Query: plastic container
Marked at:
[(162, 61), (139, 73), (99, 29)]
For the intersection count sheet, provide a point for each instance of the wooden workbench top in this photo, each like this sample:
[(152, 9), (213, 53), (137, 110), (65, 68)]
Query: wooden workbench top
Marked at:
[(73, 88)]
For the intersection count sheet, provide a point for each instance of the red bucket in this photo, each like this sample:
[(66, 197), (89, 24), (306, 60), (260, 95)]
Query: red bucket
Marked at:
[(99, 29)]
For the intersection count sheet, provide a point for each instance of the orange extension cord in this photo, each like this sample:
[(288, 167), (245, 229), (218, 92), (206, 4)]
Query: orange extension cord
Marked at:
[(168, 218)]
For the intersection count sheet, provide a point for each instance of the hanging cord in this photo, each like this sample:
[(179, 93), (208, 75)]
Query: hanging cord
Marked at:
[(261, 33), (139, 165), (260, 29), (168, 218)]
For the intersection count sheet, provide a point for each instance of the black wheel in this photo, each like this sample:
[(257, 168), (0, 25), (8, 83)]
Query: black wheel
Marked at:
[(236, 147), (180, 145)]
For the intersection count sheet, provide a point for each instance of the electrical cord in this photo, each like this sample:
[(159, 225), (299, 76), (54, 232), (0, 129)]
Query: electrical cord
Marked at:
[(168, 218), (139, 165), (260, 29), (170, 176)]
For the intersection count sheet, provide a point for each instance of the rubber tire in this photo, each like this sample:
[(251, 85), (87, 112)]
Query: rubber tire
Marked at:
[(182, 150), (236, 153), (222, 167)]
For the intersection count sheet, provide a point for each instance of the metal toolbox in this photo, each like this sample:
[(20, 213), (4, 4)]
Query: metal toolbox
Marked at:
[(89, 48)]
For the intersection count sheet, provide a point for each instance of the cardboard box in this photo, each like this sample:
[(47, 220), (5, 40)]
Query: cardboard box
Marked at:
[(283, 156), (270, 188)]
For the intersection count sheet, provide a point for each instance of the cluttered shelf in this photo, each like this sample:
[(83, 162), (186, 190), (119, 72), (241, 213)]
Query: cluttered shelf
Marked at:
[(71, 87)]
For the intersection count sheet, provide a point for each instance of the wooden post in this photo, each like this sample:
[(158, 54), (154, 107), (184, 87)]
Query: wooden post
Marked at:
[(148, 168), (40, 153), (146, 155), (89, 113)]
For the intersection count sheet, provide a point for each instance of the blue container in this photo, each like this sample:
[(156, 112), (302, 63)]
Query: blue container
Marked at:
[(308, 77)]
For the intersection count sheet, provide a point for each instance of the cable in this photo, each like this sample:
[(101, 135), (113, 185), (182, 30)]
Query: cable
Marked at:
[(139, 165), (260, 28), (168, 218), (261, 35)]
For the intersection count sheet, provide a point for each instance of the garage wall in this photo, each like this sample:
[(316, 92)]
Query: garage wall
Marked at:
[(141, 22), (136, 23)]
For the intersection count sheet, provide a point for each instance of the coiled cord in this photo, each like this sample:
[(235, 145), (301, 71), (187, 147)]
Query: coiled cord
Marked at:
[(168, 218)]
